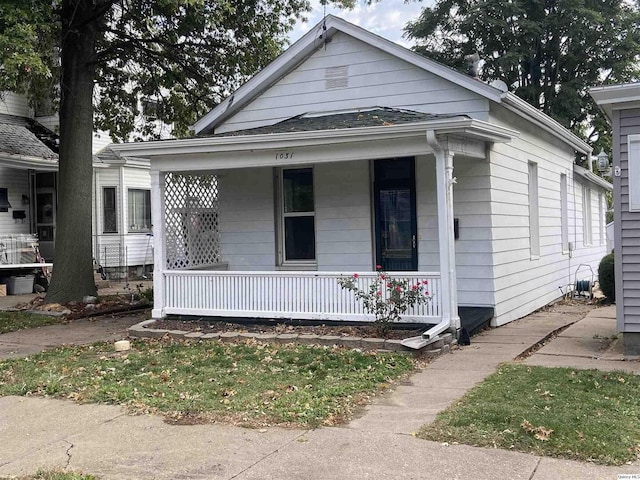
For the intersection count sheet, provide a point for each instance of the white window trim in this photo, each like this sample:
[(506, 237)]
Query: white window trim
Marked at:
[(564, 212), (587, 218), (138, 232), (102, 205), (282, 262), (534, 210), (633, 172), (601, 213)]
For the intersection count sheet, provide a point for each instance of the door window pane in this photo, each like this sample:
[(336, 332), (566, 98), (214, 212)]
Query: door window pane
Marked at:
[(299, 238), (110, 215), (139, 210)]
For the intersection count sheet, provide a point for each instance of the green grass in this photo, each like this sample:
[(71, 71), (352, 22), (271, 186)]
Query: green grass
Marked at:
[(251, 384), (12, 321), (583, 415)]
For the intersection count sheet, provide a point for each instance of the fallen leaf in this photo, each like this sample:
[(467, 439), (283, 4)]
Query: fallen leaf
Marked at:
[(543, 433)]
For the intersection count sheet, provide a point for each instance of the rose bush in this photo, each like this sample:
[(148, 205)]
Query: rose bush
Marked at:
[(387, 298)]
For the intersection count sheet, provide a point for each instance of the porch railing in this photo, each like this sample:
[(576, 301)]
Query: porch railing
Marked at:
[(297, 295)]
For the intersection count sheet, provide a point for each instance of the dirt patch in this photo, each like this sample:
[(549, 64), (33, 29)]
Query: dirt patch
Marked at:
[(214, 326), (74, 310)]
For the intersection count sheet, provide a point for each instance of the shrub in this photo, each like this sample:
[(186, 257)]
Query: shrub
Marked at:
[(606, 276), (387, 297)]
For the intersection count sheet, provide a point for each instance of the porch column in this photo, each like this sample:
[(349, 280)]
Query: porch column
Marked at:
[(159, 249), (446, 237)]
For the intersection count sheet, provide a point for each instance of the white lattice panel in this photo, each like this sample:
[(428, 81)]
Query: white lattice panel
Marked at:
[(192, 221)]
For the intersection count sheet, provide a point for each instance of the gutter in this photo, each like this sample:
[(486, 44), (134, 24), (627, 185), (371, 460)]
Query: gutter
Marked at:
[(448, 320), (592, 177), (25, 162)]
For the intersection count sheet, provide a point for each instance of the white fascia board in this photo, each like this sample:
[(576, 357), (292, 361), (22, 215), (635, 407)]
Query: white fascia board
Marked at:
[(592, 177), (207, 145), (616, 97), (25, 163), (517, 105), (306, 45)]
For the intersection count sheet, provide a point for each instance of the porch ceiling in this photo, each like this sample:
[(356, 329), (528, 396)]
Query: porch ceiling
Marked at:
[(463, 136)]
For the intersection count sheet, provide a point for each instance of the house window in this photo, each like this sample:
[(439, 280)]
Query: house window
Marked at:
[(298, 239), (534, 214), (586, 216), (564, 213), (139, 210), (109, 210)]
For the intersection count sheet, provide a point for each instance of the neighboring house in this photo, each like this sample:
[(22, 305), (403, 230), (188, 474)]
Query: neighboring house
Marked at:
[(349, 151), (29, 164), (621, 104), (122, 214), (28, 178)]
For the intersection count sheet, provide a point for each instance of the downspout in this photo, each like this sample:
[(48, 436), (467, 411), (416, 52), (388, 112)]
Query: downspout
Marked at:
[(444, 181)]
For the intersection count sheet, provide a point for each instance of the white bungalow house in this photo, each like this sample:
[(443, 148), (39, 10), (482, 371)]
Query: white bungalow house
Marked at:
[(349, 151), (621, 104)]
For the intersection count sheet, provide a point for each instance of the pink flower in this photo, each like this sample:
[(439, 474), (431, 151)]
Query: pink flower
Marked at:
[(426, 293), (415, 287), (382, 277), (378, 267), (379, 293), (355, 275), (398, 289), (389, 285), (426, 282)]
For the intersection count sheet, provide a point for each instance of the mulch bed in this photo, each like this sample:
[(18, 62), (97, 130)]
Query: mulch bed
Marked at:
[(214, 326)]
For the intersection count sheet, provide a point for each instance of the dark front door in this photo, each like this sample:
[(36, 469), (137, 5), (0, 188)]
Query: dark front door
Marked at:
[(395, 214)]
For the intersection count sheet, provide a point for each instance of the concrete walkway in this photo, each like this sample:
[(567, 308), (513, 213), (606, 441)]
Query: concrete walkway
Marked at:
[(102, 440)]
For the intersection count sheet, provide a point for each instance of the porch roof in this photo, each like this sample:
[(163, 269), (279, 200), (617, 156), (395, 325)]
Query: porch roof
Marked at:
[(24, 143), (463, 135)]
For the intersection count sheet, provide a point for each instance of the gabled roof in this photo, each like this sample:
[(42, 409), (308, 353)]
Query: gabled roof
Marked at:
[(327, 28), (307, 45)]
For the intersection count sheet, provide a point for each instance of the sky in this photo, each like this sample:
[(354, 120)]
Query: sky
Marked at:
[(386, 18)]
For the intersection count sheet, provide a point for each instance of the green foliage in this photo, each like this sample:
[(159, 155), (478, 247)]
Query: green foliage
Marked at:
[(582, 415), (607, 278), (253, 384), (548, 53), (386, 297)]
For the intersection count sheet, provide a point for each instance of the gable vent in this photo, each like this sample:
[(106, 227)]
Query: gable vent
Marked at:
[(336, 77)]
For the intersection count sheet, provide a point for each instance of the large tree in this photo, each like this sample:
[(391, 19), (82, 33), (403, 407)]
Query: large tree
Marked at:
[(549, 52), (102, 56)]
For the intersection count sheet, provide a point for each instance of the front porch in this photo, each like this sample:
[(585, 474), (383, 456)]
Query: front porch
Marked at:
[(263, 225)]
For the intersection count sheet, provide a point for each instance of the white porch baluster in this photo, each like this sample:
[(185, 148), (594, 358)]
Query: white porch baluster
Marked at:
[(300, 295)]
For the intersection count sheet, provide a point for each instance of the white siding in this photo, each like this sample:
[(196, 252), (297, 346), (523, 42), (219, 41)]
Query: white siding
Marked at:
[(247, 226), (524, 283), (17, 184), (375, 78), (13, 104), (343, 217)]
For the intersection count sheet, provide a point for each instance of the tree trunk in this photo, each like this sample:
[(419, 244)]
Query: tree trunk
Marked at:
[(73, 269)]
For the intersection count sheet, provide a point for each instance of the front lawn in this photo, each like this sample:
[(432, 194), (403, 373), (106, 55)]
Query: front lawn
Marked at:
[(12, 321), (251, 384), (583, 415)]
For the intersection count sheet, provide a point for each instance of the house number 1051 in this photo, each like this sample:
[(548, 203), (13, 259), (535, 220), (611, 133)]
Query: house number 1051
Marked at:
[(284, 156)]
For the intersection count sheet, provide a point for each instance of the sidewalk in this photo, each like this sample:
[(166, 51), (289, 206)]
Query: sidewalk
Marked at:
[(102, 440)]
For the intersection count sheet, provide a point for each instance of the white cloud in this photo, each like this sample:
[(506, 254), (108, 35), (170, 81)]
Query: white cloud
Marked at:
[(386, 18)]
